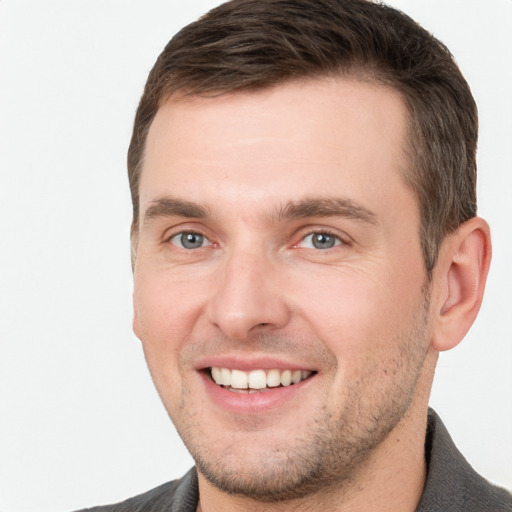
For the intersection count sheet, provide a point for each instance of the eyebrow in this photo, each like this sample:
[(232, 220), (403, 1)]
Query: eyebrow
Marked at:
[(304, 208), (326, 207), (170, 207)]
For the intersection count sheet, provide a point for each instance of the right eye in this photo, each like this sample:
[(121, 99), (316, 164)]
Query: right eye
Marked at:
[(189, 240)]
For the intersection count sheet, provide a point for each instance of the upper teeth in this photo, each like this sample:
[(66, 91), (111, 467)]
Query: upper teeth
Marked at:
[(257, 379)]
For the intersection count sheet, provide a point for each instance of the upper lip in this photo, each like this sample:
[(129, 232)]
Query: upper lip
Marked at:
[(246, 363)]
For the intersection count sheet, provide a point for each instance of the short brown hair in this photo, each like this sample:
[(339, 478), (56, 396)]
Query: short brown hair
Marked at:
[(245, 45)]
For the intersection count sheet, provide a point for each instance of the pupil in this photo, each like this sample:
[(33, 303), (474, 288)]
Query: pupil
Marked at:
[(191, 240), (323, 241)]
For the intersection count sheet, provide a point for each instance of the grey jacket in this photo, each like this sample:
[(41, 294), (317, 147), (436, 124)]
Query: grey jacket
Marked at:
[(452, 484)]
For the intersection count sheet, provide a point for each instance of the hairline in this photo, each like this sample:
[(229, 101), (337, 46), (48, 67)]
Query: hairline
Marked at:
[(354, 72)]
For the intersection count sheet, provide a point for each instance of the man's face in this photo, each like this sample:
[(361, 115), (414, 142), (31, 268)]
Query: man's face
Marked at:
[(279, 242)]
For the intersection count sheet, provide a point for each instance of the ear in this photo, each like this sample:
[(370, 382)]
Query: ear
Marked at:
[(135, 320), (459, 280), (134, 242)]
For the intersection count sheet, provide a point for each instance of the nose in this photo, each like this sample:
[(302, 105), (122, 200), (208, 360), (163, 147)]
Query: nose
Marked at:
[(249, 296)]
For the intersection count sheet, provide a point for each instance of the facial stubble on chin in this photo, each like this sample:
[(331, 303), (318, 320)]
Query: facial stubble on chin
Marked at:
[(331, 449)]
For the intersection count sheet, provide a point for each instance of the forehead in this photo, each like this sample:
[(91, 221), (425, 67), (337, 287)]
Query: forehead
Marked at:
[(298, 139)]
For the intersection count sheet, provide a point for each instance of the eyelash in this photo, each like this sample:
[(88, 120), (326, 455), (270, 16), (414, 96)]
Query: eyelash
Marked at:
[(190, 233), (326, 233), (319, 233)]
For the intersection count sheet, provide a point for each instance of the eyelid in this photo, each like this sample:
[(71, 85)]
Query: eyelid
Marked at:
[(182, 227), (205, 242), (311, 245), (343, 238), (175, 231)]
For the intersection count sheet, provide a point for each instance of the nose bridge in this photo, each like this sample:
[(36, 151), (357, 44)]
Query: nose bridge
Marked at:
[(247, 294)]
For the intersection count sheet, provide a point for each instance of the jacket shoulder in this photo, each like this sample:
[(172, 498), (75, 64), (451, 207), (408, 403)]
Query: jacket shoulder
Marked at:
[(178, 495), (452, 484)]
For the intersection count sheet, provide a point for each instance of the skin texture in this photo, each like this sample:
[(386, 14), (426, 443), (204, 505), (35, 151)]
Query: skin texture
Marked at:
[(255, 174)]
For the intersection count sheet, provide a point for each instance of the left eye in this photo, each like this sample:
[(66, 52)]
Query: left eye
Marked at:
[(320, 241), (189, 240)]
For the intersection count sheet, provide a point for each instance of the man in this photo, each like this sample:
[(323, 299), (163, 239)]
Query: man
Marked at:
[(305, 242)]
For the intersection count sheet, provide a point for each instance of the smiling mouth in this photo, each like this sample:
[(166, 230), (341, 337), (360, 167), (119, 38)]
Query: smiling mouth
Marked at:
[(257, 381)]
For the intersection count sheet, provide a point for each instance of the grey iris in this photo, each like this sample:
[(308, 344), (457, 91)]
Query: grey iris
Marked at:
[(323, 241), (191, 240)]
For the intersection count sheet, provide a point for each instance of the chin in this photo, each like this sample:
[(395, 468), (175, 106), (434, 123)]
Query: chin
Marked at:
[(319, 455), (268, 477)]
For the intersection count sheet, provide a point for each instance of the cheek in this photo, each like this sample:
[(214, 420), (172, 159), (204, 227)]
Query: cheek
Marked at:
[(359, 316), (164, 308), (163, 316)]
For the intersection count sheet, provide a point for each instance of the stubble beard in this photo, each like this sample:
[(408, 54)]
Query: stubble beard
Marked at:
[(331, 449)]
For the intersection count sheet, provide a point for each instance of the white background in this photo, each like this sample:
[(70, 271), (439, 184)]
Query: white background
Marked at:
[(80, 421)]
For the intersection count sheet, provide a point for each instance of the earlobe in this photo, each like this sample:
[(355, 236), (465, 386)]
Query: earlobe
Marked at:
[(460, 278)]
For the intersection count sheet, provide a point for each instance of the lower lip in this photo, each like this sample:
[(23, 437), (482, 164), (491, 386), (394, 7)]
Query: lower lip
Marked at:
[(252, 403)]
